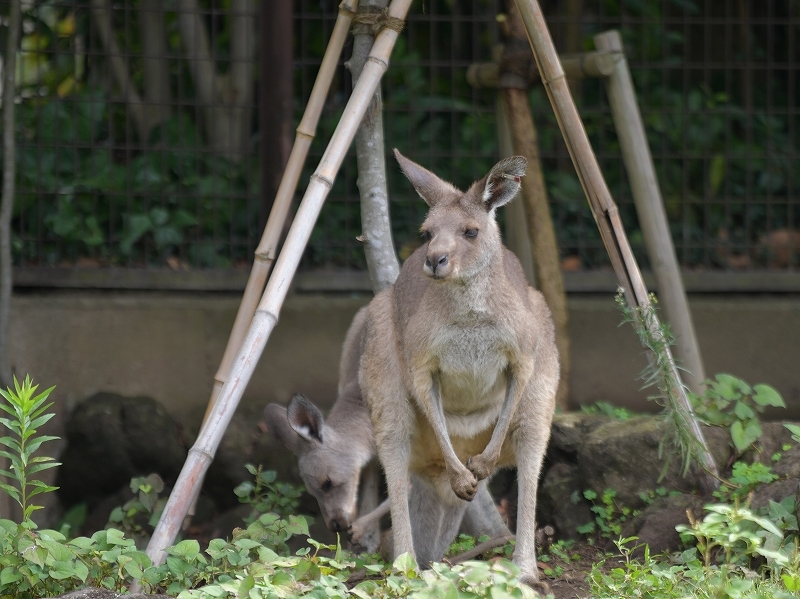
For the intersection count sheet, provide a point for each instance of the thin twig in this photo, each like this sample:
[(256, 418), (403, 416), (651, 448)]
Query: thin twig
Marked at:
[(480, 549)]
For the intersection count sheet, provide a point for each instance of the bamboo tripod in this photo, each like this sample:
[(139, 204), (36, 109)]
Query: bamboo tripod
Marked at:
[(265, 312)]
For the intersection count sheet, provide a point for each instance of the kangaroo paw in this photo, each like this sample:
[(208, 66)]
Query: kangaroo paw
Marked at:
[(539, 586), (464, 484), (481, 466)]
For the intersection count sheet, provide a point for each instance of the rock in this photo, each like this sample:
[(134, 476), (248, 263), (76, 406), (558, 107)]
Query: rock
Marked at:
[(623, 456), (655, 525), (570, 429), (246, 442), (773, 438), (776, 491), (561, 501), (110, 439), (789, 464)]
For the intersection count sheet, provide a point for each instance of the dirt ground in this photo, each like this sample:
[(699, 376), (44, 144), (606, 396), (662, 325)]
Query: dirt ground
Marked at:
[(568, 579)]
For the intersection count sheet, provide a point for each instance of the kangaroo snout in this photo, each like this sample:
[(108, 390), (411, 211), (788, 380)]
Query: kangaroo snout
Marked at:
[(436, 265), (338, 524)]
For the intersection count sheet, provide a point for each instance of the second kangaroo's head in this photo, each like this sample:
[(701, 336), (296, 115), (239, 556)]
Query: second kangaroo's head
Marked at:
[(330, 461), (460, 230)]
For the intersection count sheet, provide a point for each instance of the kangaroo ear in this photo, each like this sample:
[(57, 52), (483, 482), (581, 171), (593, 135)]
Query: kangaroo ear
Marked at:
[(278, 424), (305, 418), (503, 181), (429, 187)]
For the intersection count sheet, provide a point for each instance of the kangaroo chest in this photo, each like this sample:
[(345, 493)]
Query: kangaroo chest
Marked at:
[(471, 359)]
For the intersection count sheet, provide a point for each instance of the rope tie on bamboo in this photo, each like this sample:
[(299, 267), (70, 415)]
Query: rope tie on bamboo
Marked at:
[(374, 19)]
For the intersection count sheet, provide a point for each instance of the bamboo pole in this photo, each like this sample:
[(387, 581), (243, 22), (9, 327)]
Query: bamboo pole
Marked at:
[(576, 66), (266, 315), (267, 248), (605, 211), (650, 209)]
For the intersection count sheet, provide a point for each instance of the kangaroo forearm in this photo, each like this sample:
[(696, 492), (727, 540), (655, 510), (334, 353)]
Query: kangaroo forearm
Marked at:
[(372, 517), (510, 403)]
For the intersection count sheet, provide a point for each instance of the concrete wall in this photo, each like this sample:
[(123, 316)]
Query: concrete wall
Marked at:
[(167, 345)]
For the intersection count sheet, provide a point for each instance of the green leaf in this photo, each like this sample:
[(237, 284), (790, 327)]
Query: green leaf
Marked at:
[(187, 548), (767, 396), (743, 411), (794, 429)]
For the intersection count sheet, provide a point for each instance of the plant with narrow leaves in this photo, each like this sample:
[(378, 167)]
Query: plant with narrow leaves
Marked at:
[(660, 373), (27, 411)]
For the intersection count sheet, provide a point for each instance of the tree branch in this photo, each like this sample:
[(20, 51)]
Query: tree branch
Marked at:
[(155, 63), (198, 52), (375, 224), (9, 175), (102, 20)]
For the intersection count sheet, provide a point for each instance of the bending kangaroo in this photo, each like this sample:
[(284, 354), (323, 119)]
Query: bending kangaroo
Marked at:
[(460, 367), (333, 453)]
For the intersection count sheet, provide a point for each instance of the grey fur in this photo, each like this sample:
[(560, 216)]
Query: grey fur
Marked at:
[(339, 448)]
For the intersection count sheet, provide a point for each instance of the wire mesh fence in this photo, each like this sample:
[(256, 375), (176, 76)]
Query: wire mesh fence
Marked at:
[(138, 128)]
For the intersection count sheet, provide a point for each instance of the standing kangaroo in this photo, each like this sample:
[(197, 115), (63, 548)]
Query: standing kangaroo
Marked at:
[(333, 454), (459, 367)]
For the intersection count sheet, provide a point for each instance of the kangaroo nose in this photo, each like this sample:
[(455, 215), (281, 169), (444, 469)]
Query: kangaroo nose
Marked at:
[(436, 261), (336, 526)]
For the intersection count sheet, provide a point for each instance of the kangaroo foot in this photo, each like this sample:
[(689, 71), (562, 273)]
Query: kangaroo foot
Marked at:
[(481, 466), (464, 484), (539, 586)]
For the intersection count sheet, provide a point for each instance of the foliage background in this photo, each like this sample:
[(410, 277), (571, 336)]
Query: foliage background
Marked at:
[(716, 82)]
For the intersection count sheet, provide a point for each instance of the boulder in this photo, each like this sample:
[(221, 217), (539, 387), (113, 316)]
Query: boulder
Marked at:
[(776, 491), (561, 501), (655, 525), (569, 429), (110, 439), (623, 456)]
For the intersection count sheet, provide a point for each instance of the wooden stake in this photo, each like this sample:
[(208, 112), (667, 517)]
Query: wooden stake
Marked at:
[(266, 315), (546, 261), (605, 211), (650, 209)]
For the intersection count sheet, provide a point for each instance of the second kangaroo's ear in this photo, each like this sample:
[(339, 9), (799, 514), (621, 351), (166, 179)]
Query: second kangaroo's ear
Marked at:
[(305, 418), (279, 427), (503, 181), (429, 187)]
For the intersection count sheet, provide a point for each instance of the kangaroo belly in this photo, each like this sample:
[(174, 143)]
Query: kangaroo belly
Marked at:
[(472, 367)]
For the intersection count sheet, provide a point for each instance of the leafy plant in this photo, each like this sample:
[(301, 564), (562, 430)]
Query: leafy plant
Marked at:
[(730, 402), (27, 415), (266, 495), (143, 509), (744, 478), (608, 409), (609, 516), (733, 532)]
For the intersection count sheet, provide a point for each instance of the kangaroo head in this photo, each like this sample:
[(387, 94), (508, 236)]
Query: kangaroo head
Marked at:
[(461, 232), (330, 464)]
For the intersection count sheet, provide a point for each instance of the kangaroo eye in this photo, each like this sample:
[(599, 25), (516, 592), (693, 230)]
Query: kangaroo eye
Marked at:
[(326, 486), (426, 235), (471, 233)]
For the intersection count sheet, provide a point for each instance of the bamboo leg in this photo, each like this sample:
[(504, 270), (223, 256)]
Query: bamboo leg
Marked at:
[(517, 238), (603, 207), (540, 224), (650, 208), (268, 246), (266, 315)]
